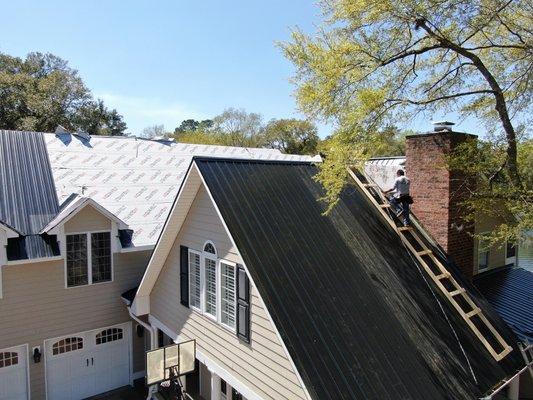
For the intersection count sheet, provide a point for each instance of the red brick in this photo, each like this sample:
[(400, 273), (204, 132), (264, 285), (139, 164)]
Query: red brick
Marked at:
[(438, 202)]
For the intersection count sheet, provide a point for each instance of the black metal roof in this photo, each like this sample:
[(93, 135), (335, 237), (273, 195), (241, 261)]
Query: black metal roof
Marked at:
[(28, 198), (510, 292), (358, 317)]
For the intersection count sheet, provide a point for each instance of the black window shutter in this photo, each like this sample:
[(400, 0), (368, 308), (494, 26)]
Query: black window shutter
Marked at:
[(184, 276), (243, 304)]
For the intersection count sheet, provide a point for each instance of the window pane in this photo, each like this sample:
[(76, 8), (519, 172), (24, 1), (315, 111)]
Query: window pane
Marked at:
[(194, 280), (227, 295), (483, 254), (77, 273), (209, 248), (101, 256), (210, 287)]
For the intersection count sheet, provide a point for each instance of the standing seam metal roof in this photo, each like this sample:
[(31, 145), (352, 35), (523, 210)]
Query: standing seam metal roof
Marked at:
[(357, 316)]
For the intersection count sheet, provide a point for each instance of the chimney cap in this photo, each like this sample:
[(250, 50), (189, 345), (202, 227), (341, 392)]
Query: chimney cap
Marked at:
[(443, 126)]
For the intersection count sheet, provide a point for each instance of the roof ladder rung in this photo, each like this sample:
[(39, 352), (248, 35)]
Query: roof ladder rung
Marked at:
[(405, 228), (384, 205), (424, 252), (475, 311), (370, 185), (444, 275), (457, 292)]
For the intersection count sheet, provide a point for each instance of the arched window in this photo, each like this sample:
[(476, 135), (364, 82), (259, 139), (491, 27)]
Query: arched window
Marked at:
[(109, 335), (8, 358), (209, 247), (66, 345)]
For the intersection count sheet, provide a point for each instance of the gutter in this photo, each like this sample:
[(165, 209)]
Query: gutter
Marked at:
[(153, 345), (506, 382)]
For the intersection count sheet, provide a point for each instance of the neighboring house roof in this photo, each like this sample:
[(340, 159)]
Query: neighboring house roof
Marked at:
[(135, 179), (359, 318), (383, 170), (509, 291), (28, 198), (74, 206)]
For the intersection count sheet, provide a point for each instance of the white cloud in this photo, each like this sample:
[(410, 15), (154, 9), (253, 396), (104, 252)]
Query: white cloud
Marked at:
[(140, 112)]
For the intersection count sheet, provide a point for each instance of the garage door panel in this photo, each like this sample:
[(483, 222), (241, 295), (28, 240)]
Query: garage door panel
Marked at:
[(13, 374), (98, 361)]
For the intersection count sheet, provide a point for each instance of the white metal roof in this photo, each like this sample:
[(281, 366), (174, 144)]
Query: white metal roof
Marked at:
[(135, 179)]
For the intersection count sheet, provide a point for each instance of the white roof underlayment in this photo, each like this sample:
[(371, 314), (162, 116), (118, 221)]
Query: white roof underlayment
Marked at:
[(135, 179)]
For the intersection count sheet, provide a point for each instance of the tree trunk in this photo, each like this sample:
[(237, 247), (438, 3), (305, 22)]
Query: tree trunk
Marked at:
[(501, 105)]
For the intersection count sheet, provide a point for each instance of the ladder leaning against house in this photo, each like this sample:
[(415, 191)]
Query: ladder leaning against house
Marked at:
[(442, 278)]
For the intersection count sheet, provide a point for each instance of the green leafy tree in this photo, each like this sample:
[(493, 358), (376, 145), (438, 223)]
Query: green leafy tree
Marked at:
[(191, 125), (237, 127), (292, 136), (41, 92), (377, 62)]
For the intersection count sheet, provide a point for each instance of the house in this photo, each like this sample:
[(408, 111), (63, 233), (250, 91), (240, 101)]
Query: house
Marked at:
[(503, 273), (285, 302), (79, 218)]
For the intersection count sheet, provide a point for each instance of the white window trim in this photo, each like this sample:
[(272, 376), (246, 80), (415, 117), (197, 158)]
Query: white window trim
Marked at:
[(203, 292), (511, 260), (219, 316), (89, 258), (212, 257), (479, 268)]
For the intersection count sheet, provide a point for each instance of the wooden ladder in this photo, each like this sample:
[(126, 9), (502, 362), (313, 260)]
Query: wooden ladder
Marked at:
[(375, 195)]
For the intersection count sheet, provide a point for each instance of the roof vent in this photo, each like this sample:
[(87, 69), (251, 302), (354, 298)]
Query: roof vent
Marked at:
[(61, 130), (83, 135), (443, 126)]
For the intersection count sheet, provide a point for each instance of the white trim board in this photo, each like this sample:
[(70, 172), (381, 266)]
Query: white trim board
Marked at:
[(52, 228)]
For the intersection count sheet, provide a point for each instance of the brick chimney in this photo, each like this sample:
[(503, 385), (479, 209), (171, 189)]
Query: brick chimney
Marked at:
[(438, 192)]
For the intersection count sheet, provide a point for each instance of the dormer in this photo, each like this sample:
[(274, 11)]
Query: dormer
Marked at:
[(88, 236)]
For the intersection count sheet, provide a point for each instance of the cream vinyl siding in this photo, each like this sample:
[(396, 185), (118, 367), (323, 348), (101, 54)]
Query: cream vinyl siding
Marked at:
[(262, 365), (496, 252), (86, 220), (36, 306)]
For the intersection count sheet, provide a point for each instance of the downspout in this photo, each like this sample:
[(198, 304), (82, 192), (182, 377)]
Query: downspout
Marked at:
[(153, 344)]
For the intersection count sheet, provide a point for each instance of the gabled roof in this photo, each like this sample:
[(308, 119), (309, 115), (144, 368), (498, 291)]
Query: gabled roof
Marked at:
[(135, 179), (355, 311), (509, 291), (74, 206)]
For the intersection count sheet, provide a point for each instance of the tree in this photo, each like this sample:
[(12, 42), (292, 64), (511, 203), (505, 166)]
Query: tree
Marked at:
[(291, 136), (95, 119), (374, 63), (237, 127), (190, 125), (41, 92), (154, 131)]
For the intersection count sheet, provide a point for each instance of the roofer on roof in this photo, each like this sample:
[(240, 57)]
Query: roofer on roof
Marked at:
[(401, 196)]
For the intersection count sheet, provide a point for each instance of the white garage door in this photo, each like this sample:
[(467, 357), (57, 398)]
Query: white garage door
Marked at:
[(89, 363), (13, 373)]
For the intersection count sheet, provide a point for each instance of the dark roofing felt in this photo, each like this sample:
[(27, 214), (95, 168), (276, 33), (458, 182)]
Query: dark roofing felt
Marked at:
[(510, 292), (28, 198), (357, 316)]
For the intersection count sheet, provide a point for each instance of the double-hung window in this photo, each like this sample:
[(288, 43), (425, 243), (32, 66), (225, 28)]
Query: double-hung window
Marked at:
[(88, 258), (212, 285)]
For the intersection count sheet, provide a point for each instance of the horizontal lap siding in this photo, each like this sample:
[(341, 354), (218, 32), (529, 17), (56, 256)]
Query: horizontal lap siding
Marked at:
[(36, 306), (262, 365)]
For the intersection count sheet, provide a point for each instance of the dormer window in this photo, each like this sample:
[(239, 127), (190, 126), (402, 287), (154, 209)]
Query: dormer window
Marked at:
[(88, 258)]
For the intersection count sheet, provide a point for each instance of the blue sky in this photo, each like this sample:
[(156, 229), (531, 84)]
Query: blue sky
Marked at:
[(164, 61)]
